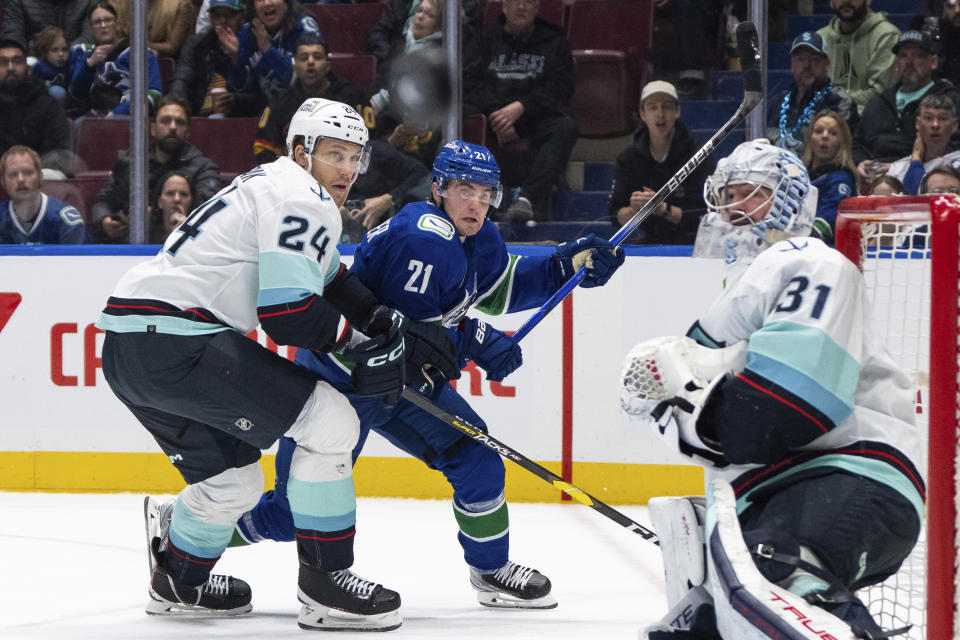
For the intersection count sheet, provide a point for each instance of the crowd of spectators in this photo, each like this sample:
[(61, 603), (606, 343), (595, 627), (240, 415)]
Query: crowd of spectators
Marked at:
[(869, 108)]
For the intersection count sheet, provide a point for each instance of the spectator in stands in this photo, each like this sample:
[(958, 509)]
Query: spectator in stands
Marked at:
[(313, 78), (940, 179), (524, 84), (267, 44), (829, 160), (860, 43), (169, 22), (102, 80), (392, 180), (790, 112), (169, 150), (949, 31), (31, 216), (936, 124), (887, 129), (55, 64), (688, 18), (23, 19), (660, 147), (29, 115), (170, 206), (887, 186), (205, 63)]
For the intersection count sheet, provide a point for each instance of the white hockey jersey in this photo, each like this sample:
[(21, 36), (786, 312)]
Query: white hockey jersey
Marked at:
[(803, 309), (268, 238)]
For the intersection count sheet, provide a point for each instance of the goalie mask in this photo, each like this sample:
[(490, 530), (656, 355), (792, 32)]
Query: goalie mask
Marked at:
[(318, 118), (460, 160), (759, 194)]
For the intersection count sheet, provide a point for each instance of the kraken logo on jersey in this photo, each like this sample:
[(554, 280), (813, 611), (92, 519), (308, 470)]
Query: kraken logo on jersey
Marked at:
[(244, 424), (436, 224)]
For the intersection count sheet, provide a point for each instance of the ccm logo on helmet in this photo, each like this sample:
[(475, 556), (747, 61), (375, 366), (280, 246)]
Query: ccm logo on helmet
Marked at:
[(387, 357)]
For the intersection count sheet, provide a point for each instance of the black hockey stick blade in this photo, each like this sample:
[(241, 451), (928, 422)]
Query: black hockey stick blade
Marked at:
[(748, 48), (543, 473)]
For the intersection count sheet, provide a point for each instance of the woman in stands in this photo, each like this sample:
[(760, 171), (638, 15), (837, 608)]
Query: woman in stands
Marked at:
[(268, 42), (102, 79), (170, 206), (169, 22), (828, 158)]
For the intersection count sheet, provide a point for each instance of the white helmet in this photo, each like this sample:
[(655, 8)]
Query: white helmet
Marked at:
[(793, 202), (319, 118)]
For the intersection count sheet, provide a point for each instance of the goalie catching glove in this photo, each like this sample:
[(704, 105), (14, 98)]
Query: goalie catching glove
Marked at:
[(668, 381), (600, 258)]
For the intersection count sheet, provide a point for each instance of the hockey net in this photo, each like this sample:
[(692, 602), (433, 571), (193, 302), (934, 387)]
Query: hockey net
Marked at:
[(907, 250)]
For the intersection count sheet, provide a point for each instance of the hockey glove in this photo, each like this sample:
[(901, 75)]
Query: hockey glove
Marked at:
[(668, 381), (600, 257), (431, 356), (380, 365), (494, 351)]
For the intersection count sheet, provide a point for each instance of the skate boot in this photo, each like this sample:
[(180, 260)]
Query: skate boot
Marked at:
[(341, 600), (513, 586), (219, 596)]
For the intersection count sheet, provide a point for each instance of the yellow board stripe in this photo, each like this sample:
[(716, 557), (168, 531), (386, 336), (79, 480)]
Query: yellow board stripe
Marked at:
[(99, 472)]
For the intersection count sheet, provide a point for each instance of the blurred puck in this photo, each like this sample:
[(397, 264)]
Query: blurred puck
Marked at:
[(420, 88)]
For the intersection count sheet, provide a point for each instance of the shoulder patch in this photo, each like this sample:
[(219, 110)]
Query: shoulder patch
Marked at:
[(844, 189), (70, 216), (436, 224)]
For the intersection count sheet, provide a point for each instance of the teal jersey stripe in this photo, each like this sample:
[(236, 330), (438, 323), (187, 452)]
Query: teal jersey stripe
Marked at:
[(324, 523), (162, 324), (496, 300), (290, 271), (859, 465), (268, 297), (800, 385), (196, 537), (324, 499)]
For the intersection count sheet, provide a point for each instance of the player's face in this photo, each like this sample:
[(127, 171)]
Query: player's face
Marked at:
[(58, 54), (660, 112), (942, 183), (935, 126), (13, 67), (425, 19), (21, 177), (808, 67), (825, 140), (335, 166), (270, 12), (520, 14), (466, 203), (104, 25), (914, 66), (745, 203), (311, 65)]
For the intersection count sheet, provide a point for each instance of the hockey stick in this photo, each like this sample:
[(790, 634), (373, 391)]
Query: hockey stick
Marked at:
[(749, 51), (541, 472)]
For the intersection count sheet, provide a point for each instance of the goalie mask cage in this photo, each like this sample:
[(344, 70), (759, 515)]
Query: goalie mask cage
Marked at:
[(907, 250)]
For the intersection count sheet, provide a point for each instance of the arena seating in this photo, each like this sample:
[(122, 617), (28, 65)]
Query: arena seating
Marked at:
[(605, 97), (345, 26), (358, 68), (226, 141), (97, 141), (554, 11)]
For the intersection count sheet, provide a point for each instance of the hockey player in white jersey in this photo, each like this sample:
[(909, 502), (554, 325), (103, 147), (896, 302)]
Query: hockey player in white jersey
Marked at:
[(803, 422), (263, 249)]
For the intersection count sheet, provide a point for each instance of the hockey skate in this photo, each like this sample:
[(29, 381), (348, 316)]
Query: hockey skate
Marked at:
[(219, 596), (513, 586), (343, 601)]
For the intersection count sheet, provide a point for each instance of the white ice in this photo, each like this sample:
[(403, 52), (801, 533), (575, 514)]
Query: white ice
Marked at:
[(75, 566)]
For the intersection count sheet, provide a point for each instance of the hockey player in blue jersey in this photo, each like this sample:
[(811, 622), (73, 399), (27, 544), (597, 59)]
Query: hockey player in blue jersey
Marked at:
[(802, 420), (435, 260), (31, 216)]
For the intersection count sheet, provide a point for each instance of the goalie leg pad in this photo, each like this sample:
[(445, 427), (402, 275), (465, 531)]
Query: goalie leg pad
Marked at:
[(679, 525), (691, 618), (748, 606)]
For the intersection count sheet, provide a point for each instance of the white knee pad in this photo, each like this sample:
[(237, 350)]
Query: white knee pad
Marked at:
[(327, 423), (226, 496)]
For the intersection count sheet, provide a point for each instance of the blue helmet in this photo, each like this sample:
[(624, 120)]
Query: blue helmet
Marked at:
[(459, 160)]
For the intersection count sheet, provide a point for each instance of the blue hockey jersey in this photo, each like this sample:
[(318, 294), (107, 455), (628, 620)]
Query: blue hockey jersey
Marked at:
[(57, 223), (272, 68)]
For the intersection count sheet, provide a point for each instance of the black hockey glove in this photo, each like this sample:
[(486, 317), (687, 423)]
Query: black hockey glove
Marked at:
[(600, 257), (380, 364), (431, 356)]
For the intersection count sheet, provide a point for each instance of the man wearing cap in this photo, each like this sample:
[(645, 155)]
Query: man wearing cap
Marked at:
[(887, 129), (660, 147), (203, 69), (859, 41), (812, 90)]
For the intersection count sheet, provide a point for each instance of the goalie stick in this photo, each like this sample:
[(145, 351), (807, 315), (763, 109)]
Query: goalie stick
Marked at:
[(543, 473), (749, 52)]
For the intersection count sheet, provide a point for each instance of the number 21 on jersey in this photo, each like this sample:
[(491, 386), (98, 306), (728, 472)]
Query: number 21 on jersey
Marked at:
[(419, 278)]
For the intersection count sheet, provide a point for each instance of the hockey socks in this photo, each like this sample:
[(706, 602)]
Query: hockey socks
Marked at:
[(484, 532)]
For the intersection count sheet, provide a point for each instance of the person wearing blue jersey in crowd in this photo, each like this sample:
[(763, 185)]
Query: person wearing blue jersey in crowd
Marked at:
[(56, 62), (31, 216), (268, 42), (827, 156), (101, 79), (434, 261)]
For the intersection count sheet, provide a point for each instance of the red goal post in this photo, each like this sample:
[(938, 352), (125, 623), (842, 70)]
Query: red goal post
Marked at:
[(908, 248)]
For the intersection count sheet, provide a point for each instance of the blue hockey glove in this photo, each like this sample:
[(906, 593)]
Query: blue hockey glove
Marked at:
[(600, 257), (494, 351), (380, 364)]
